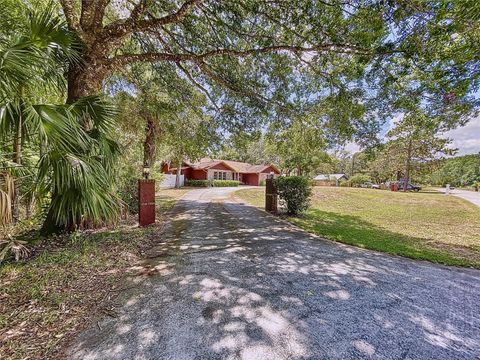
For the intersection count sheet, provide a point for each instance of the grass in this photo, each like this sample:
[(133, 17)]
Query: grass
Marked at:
[(426, 225), (67, 281)]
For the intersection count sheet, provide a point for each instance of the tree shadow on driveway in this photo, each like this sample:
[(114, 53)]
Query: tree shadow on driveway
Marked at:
[(354, 230), (231, 282)]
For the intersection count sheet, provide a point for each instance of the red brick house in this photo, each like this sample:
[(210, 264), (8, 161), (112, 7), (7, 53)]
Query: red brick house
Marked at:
[(210, 169)]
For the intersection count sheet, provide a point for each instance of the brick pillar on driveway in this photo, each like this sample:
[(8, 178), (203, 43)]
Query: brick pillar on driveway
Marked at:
[(270, 195), (146, 202)]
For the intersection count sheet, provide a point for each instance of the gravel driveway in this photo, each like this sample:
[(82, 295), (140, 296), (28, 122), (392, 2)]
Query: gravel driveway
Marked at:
[(231, 282)]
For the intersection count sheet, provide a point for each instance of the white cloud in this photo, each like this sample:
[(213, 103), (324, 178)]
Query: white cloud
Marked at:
[(466, 138), (351, 147), (393, 122)]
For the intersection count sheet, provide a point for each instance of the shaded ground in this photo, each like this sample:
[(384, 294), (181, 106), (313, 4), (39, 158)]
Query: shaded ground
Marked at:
[(234, 283), (426, 225), (68, 280)]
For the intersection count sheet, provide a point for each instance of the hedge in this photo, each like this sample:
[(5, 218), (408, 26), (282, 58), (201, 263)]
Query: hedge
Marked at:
[(225, 183), (198, 183)]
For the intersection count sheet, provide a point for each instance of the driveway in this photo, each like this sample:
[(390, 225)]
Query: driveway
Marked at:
[(231, 282), (472, 196)]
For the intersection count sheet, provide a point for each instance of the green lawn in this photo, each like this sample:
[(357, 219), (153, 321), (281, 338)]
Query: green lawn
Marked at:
[(426, 225)]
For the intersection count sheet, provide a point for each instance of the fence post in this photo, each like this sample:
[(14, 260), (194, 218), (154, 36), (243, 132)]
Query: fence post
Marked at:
[(146, 202), (270, 195)]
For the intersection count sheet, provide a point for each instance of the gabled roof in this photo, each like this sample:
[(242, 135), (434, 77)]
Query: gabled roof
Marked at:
[(236, 166), (205, 164), (329, 177)]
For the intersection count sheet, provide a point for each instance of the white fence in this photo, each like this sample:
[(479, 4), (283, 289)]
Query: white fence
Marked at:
[(168, 181)]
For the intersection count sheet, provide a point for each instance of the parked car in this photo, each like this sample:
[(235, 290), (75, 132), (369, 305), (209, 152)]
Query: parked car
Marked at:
[(370, 185), (410, 186)]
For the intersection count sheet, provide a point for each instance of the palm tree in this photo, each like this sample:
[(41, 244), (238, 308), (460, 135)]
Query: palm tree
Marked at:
[(75, 153)]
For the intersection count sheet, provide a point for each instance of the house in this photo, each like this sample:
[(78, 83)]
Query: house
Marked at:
[(212, 169), (329, 179)]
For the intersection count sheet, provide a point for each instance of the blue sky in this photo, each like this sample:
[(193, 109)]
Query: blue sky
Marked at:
[(466, 139)]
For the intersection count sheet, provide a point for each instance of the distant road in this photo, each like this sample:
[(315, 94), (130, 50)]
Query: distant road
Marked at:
[(472, 196)]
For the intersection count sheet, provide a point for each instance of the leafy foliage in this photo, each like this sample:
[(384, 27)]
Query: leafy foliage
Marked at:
[(72, 149), (198, 183), (295, 192), (458, 171), (358, 179)]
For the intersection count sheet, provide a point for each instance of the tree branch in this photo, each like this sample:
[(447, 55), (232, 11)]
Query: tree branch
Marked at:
[(69, 11), (135, 24), (198, 85), (125, 59)]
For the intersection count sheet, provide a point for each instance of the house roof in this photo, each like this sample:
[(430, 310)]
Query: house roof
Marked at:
[(329, 177), (236, 166)]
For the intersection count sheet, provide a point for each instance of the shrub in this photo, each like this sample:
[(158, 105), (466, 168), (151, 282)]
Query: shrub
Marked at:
[(128, 192), (225, 183), (198, 183), (345, 183), (359, 179), (295, 192), (263, 182)]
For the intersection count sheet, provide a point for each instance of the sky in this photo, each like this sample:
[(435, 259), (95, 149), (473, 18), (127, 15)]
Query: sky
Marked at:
[(466, 139)]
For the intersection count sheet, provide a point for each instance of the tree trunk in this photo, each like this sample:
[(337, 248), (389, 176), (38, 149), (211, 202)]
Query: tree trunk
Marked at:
[(179, 172), (17, 159), (85, 80), (352, 170), (407, 165), (149, 145)]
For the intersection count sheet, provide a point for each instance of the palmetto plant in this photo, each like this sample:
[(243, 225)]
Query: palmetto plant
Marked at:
[(16, 247), (75, 154), (6, 196)]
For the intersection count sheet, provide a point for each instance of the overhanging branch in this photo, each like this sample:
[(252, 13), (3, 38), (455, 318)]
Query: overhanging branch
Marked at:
[(125, 59), (135, 24)]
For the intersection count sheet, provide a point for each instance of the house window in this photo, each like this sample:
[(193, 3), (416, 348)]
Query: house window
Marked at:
[(215, 175), (224, 175)]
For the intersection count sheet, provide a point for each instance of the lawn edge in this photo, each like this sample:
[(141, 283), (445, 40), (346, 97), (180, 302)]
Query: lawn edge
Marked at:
[(378, 252)]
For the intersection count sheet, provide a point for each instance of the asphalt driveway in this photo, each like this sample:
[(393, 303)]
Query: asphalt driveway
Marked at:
[(231, 282), (472, 196)]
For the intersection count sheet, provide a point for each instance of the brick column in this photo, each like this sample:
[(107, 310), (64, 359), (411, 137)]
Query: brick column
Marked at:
[(146, 202), (270, 195)]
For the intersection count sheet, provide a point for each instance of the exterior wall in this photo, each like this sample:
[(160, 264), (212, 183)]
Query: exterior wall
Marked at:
[(265, 173), (211, 174), (198, 175), (251, 179), (187, 173), (168, 181), (165, 168), (220, 167), (263, 176), (324, 183), (270, 169)]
